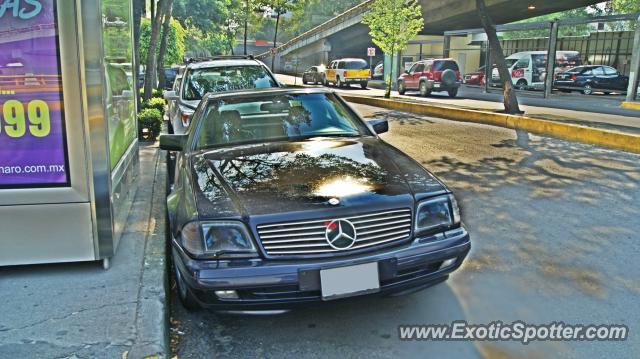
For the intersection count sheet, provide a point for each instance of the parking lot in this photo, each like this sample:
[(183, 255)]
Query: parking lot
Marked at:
[(553, 227)]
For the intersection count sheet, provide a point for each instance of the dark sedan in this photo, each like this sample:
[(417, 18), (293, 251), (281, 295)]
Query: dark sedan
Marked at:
[(285, 196), (588, 79), (313, 75)]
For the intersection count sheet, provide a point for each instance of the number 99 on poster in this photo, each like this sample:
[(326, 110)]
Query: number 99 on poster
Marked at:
[(16, 121)]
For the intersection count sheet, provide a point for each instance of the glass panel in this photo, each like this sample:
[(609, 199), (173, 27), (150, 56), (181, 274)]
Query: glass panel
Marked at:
[(119, 91), (32, 132)]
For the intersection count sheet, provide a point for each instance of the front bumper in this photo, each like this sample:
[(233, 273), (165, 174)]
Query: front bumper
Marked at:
[(272, 284)]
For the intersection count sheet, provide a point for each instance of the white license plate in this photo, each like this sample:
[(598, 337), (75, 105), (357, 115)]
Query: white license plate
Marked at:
[(348, 281), (436, 85)]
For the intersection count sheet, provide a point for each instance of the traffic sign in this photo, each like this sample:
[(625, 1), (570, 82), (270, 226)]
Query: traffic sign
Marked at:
[(371, 51)]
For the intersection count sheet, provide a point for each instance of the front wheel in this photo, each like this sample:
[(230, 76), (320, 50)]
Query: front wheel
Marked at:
[(453, 93), (304, 82), (401, 89), (521, 85), (364, 85), (587, 89), (187, 298)]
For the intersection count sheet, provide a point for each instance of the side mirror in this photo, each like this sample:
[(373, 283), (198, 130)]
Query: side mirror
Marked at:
[(172, 142), (170, 95), (379, 126)]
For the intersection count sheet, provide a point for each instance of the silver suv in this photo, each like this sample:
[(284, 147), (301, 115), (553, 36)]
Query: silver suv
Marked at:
[(217, 74)]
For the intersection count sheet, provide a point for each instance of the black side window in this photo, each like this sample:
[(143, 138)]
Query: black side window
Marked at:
[(341, 65)]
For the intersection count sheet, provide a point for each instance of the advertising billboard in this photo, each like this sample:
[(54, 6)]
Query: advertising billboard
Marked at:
[(32, 131)]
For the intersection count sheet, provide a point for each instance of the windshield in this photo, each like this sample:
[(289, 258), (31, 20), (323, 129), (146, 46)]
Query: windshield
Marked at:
[(356, 65), (228, 78), (269, 118)]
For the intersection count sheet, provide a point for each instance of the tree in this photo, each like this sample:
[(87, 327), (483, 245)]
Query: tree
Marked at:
[(176, 42), (153, 45), (277, 7), (206, 23), (626, 6), (392, 23), (138, 8), (312, 13), (509, 95), (163, 43)]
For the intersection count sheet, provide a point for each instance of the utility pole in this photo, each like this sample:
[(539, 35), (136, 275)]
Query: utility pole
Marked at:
[(275, 37), (246, 20)]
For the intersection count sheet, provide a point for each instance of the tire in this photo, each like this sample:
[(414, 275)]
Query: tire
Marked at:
[(339, 83), (423, 89), (187, 298), (453, 92), (521, 85), (401, 89), (364, 85), (304, 82), (587, 89), (448, 78)]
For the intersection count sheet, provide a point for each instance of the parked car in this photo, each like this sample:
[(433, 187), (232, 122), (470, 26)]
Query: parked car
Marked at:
[(378, 71), (431, 75), (345, 72), (170, 74), (475, 78), (588, 79), (313, 75), (218, 74), (286, 196), (528, 69)]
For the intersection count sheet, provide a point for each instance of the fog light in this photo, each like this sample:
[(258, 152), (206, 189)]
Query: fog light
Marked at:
[(227, 294), (448, 263)]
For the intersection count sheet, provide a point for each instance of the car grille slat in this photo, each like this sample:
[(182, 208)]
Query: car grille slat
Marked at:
[(308, 237)]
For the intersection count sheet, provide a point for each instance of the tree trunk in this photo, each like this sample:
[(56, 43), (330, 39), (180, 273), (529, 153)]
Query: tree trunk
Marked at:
[(387, 90), (151, 54), (510, 99), (275, 38), (246, 20), (166, 28), (138, 9)]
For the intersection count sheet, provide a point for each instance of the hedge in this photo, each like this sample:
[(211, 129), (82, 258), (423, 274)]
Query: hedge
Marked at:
[(151, 119)]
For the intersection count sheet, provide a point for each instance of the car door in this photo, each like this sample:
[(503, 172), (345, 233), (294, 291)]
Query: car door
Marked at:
[(599, 80), (615, 81), (330, 73), (409, 81), (418, 70)]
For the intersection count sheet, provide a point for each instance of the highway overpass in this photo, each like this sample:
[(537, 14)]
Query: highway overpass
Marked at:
[(345, 35)]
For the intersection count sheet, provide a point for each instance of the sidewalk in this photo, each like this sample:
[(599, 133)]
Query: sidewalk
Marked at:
[(79, 310), (627, 121)]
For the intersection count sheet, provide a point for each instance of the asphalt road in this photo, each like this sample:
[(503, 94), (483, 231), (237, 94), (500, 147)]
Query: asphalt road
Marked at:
[(555, 230)]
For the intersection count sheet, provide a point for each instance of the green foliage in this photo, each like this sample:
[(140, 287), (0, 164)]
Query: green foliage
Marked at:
[(151, 119), (175, 42), (154, 93), (392, 23), (155, 102), (625, 6)]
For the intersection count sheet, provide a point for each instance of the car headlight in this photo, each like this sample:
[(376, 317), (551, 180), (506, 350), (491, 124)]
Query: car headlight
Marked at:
[(437, 213), (219, 239)]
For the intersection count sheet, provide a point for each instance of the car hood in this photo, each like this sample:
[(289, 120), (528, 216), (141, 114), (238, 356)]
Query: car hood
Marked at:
[(287, 177)]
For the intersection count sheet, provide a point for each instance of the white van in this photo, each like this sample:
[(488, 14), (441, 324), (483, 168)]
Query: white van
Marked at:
[(529, 68)]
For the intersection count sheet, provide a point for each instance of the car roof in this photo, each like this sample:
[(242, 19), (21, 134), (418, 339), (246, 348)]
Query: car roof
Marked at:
[(349, 59), (266, 92), (225, 62)]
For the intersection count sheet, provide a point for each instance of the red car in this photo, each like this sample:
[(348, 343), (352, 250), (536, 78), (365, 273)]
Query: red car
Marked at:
[(475, 78), (431, 75)]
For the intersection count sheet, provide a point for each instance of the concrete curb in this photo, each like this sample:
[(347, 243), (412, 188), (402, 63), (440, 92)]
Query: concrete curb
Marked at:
[(606, 138), (153, 322), (630, 105)]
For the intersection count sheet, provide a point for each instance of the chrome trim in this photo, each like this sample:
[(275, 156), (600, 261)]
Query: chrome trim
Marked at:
[(302, 238)]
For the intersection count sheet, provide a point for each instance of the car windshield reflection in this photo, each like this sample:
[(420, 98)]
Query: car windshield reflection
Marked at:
[(276, 118)]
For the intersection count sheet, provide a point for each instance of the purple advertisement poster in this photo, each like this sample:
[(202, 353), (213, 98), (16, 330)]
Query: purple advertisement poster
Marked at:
[(32, 135)]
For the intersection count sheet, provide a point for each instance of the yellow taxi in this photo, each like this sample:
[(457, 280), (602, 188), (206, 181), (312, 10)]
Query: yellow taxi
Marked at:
[(345, 72)]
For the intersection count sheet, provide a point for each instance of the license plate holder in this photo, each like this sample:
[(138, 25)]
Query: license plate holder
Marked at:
[(349, 281)]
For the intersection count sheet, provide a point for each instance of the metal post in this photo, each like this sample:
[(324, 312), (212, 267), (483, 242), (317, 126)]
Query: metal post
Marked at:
[(446, 46), (634, 72), (488, 68), (551, 59)]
